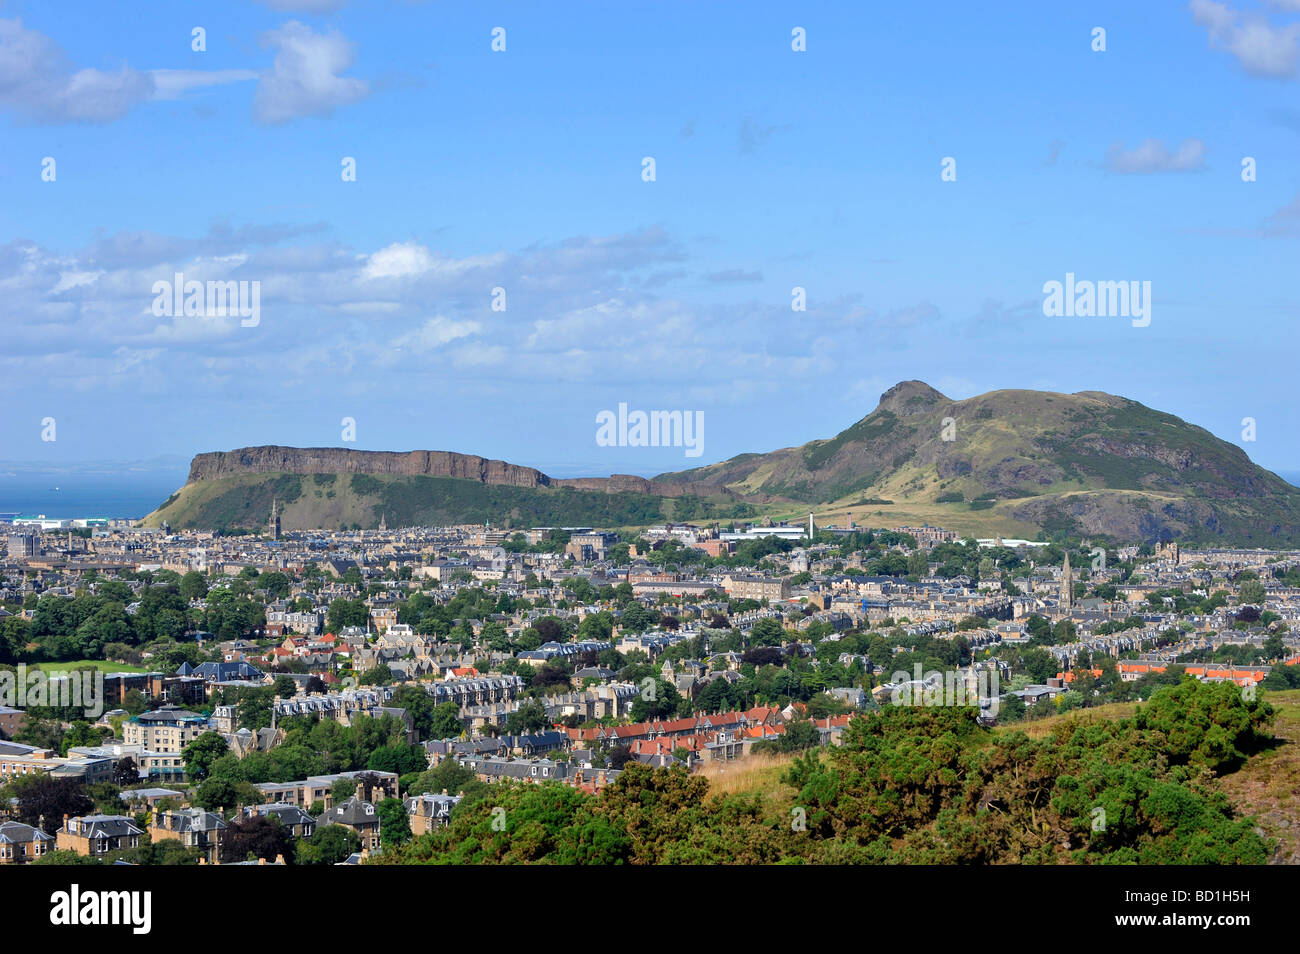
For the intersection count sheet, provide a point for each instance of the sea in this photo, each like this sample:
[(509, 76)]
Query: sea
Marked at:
[(69, 496)]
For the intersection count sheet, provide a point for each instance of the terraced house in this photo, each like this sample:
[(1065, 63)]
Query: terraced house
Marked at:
[(193, 828), (94, 836), (22, 844)]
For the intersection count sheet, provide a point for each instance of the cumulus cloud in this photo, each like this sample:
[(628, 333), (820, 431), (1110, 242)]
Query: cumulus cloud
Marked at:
[(1261, 48), (335, 320), (39, 82), (1153, 156), (305, 80)]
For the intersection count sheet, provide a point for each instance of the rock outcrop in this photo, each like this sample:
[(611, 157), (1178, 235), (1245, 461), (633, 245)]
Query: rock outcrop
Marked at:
[(340, 460)]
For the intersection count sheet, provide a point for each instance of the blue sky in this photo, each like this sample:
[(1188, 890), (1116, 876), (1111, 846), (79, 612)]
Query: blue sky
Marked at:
[(522, 170)]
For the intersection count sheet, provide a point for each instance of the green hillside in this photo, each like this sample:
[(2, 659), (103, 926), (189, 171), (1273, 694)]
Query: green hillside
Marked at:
[(329, 501), (1087, 463)]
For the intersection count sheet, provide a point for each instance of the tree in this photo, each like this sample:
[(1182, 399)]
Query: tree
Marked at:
[(766, 632), (194, 585), (199, 754), (394, 823), (1274, 647), (222, 794), (166, 851), (125, 772), (345, 612), (1010, 708), (44, 800), (400, 759), (330, 845), (530, 717), (1251, 592), (419, 706), (379, 675), (620, 755), (659, 701), (446, 722), (918, 564), (823, 705), (285, 687), (799, 734), (65, 856), (258, 836), (343, 789), (447, 776), (763, 656), (82, 733)]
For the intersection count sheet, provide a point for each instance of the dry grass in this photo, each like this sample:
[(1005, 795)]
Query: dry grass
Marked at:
[(1268, 785), (757, 773), (1042, 728)]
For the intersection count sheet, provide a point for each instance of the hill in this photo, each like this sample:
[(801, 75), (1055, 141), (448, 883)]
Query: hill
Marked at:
[(1013, 462), (1089, 464)]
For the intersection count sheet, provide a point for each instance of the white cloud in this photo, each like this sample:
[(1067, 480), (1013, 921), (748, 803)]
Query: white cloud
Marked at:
[(172, 84), (38, 81), (413, 260), (1153, 156), (74, 279), (435, 333), (1261, 48), (305, 80), (399, 260)]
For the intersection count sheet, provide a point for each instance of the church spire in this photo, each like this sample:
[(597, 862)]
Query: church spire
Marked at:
[(1067, 587)]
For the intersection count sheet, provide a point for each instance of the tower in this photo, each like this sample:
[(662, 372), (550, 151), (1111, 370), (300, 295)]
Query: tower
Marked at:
[(1067, 588), (811, 529), (274, 526)]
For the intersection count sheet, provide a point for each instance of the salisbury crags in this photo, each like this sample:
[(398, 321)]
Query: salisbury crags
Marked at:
[(420, 463)]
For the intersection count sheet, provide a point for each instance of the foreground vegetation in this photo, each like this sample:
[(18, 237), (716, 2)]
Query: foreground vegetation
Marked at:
[(911, 785)]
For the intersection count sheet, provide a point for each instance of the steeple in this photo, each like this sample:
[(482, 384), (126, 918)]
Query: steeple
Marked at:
[(274, 526), (1067, 587)]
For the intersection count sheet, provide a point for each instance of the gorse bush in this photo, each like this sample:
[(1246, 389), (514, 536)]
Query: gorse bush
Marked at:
[(909, 786)]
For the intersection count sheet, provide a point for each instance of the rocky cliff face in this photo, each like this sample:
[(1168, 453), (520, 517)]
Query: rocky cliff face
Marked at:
[(338, 460)]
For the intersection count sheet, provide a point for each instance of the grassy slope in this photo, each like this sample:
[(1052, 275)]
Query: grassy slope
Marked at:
[(327, 501), (1079, 463), (1268, 785)]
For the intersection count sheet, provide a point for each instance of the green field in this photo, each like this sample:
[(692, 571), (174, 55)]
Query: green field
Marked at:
[(77, 663)]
